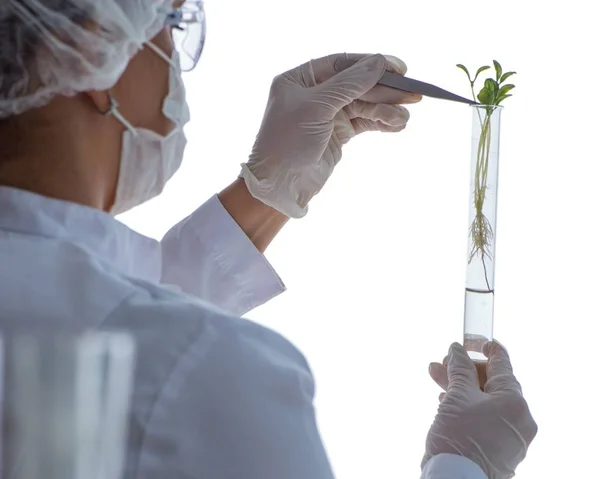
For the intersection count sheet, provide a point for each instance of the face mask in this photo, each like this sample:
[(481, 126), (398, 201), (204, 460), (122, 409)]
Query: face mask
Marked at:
[(149, 160)]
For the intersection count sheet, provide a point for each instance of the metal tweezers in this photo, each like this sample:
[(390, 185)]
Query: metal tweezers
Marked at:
[(399, 82)]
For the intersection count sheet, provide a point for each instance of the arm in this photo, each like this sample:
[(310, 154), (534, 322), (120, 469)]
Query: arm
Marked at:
[(208, 254), (260, 222), (450, 466), (216, 253)]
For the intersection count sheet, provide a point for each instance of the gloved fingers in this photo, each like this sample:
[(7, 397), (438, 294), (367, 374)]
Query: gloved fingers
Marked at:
[(325, 68), (392, 115), (439, 374), (391, 96), (349, 85), (376, 117), (319, 71), (461, 369), (530, 429), (361, 125), (343, 131), (384, 94), (393, 64), (346, 129), (500, 376)]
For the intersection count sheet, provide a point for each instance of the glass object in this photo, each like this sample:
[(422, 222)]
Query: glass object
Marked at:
[(188, 27), (66, 400), (479, 290)]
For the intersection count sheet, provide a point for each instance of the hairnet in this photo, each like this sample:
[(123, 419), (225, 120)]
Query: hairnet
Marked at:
[(63, 47)]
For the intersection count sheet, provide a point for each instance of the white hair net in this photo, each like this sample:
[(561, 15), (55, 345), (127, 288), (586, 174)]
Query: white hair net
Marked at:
[(63, 47)]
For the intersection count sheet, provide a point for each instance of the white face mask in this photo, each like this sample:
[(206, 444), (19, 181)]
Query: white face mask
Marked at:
[(149, 160)]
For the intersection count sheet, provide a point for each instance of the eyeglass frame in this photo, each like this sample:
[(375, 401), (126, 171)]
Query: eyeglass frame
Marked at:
[(175, 17)]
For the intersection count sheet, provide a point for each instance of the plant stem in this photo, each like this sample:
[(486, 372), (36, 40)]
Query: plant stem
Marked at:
[(475, 99), (481, 230)]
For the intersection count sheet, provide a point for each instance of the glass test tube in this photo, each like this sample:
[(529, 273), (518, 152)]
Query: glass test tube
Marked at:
[(66, 404), (479, 290)]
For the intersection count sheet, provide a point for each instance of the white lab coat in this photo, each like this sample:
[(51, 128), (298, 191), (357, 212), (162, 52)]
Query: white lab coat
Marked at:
[(215, 396)]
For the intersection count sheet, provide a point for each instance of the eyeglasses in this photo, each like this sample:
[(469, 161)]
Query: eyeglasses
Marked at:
[(188, 27)]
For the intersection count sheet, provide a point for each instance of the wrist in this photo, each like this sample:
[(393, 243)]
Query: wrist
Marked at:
[(451, 466), (276, 193), (260, 222)]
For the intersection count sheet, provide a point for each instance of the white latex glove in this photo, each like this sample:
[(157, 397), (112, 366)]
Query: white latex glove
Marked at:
[(493, 428), (311, 113)]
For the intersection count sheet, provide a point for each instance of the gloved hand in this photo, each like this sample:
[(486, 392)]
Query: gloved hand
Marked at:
[(311, 113), (493, 428)]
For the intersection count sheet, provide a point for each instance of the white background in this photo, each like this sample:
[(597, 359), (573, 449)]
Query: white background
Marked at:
[(376, 270)]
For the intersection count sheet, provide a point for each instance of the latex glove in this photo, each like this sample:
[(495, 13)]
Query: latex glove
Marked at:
[(493, 428), (311, 113)]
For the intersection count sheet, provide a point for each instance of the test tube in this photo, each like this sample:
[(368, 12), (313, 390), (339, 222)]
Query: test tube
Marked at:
[(65, 404), (481, 256)]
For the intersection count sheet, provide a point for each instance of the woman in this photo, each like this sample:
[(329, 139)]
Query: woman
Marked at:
[(92, 110)]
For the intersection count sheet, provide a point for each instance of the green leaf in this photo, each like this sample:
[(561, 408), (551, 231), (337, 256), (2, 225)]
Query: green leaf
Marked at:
[(464, 68), (485, 96), (505, 76), (505, 89), (481, 69), (491, 85), (498, 70), (502, 98)]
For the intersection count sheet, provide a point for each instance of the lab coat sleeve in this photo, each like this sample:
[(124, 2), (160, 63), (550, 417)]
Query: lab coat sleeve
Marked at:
[(208, 256), (452, 466)]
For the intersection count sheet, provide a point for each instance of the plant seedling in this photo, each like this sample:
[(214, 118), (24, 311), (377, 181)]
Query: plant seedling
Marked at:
[(494, 91)]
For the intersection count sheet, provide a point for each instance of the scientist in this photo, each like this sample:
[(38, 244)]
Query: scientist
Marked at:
[(92, 116)]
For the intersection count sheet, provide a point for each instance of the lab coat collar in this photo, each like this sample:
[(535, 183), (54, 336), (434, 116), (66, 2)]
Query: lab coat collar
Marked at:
[(97, 232)]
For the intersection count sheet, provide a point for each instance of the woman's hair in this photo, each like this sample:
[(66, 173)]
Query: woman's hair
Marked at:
[(63, 47), (19, 42)]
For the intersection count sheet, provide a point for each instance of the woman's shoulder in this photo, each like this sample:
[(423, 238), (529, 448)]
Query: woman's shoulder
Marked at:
[(205, 379)]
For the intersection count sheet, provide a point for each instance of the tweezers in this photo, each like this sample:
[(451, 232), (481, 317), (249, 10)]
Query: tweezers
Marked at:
[(399, 82)]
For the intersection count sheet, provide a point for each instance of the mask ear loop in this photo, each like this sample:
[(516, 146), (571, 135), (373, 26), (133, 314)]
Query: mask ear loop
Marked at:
[(160, 53), (113, 110)]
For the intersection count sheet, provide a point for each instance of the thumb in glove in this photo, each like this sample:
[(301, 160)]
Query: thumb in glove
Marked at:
[(462, 375), (351, 84)]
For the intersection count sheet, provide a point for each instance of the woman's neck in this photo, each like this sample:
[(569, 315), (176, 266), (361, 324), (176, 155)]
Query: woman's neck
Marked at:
[(60, 158)]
